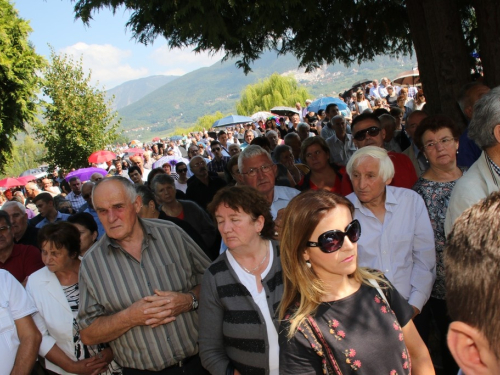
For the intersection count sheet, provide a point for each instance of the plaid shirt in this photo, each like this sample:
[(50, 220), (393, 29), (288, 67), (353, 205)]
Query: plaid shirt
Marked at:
[(218, 166), (76, 200), (495, 167)]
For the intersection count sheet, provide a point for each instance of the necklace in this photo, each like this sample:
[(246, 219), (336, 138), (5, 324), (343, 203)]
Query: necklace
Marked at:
[(253, 269)]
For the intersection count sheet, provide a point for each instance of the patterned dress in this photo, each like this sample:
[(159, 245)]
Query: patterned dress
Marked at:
[(436, 196), (362, 330)]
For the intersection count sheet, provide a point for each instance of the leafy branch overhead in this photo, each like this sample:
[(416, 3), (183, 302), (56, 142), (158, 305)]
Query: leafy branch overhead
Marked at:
[(79, 121), (323, 31)]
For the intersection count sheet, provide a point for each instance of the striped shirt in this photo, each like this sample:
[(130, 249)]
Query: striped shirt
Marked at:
[(111, 280), (77, 201)]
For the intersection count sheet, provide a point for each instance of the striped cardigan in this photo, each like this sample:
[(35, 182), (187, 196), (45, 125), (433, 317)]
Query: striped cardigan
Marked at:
[(232, 328)]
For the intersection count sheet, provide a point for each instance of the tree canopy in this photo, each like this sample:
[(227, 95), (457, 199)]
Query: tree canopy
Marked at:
[(19, 80), (78, 119), (274, 91), (444, 34)]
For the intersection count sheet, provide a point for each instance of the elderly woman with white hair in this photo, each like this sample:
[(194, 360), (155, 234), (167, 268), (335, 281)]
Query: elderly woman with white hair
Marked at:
[(397, 234)]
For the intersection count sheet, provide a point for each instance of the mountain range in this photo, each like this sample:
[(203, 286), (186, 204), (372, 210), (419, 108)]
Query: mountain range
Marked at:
[(155, 106)]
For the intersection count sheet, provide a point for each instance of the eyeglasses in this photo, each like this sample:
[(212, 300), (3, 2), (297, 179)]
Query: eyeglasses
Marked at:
[(445, 142), (182, 170), (333, 240), (372, 131), (216, 149), (252, 172), (4, 230)]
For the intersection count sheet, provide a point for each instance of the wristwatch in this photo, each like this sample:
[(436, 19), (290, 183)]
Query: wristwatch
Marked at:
[(195, 301)]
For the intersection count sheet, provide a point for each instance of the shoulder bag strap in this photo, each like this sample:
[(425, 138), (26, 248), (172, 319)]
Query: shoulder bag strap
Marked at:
[(326, 347), (376, 286)]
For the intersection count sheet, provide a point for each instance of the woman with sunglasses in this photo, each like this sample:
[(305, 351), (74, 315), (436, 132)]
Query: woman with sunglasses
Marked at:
[(338, 318), (181, 181)]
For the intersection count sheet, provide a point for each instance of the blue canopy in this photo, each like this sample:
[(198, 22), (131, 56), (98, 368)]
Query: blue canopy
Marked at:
[(231, 120), (321, 103)]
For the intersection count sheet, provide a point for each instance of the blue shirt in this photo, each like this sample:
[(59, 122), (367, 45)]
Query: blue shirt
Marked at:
[(100, 228), (402, 247), (468, 151), (60, 217)]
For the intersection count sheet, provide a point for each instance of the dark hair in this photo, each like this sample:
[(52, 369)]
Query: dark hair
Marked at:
[(73, 179), (249, 200), (321, 112), (85, 220), (214, 143), (146, 195), (155, 172), (380, 111), (262, 142), (44, 197), (134, 168), (435, 123), (395, 111), (4, 215), (306, 143), (472, 265), (330, 106), (61, 234), (365, 116)]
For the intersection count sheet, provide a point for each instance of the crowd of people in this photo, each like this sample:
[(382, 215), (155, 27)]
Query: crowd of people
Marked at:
[(315, 243)]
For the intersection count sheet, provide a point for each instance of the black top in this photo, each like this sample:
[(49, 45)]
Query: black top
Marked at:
[(202, 194), (362, 331), (29, 237)]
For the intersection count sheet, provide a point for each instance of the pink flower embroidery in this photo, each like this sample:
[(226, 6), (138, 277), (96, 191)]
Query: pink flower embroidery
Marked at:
[(396, 326), (393, 372), (335, 323), (357, 363), (404, 356), (405, 365), (341, 334), (377, 299), (383, 309), (400, 337), (352, 352)]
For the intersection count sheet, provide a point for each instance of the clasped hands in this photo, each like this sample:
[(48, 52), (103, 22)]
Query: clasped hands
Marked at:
[(160, 308)]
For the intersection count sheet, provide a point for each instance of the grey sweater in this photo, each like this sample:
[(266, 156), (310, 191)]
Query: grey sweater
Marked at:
[(232, 328)]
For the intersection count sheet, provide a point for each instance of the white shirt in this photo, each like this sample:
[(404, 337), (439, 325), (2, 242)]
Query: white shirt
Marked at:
[(341, 152), (374, 92), (260, 299), (14, 304), (402, 247), (282, 196)]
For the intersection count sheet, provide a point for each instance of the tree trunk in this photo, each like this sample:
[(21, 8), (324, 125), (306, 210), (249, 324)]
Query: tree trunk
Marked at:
[(441, 53), (488, 23)]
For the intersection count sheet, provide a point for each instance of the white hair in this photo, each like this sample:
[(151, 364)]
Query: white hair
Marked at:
[(12, 204), (250, 152), (386, 167)]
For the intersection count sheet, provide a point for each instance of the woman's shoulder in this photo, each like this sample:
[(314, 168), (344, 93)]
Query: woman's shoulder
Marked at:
[(43, 274)]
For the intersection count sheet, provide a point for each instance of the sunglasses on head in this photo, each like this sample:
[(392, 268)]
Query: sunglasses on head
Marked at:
[(331, 241), (372, 131)]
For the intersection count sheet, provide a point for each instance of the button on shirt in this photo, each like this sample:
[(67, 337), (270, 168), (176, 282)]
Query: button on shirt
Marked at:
[(402, 247), (341, 152), (14, 304), (111, 280), (76, 200)]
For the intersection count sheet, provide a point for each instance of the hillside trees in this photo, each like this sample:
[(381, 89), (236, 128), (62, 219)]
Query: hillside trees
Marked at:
[(19, 81), (274, 91), (78, 120), (443, 33)]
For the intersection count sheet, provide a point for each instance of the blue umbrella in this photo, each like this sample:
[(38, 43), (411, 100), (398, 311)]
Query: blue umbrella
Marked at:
[(231, 120), (321, 103)]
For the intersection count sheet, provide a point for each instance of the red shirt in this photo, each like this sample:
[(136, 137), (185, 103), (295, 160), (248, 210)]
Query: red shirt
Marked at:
[(24, 260), (404, 174)]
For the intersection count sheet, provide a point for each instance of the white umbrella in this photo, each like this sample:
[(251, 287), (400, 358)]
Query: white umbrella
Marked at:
[(261, 116)]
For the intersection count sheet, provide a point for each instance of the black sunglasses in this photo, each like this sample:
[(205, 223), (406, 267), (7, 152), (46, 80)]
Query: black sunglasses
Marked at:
[(182, 170), (333, 240), (372, 131)]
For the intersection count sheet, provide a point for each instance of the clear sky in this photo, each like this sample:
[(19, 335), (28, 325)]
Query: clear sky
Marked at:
[(107, 47)]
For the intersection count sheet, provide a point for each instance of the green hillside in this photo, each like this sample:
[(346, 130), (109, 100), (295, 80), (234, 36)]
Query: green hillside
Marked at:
[(217, 88), (132, 91)]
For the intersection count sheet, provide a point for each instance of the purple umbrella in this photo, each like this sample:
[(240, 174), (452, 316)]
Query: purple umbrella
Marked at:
[(171, 159), (85, 173)]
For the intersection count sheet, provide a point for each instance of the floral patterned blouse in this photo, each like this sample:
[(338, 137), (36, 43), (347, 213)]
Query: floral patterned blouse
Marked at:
[(362, 330), (436, 196)]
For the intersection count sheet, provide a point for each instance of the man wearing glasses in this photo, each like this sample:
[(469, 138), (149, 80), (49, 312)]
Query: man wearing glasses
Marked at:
[(219, 162), (258, 171), (367, 131)]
